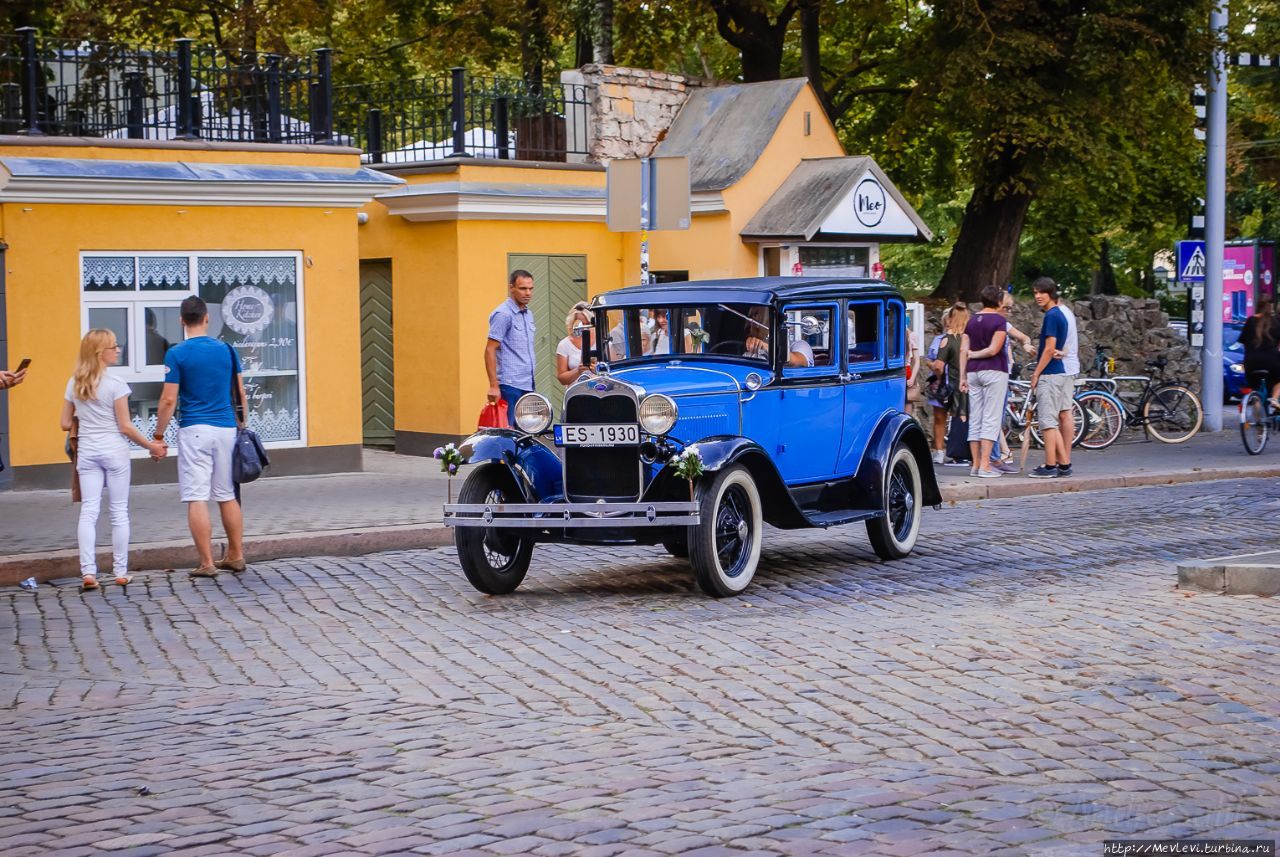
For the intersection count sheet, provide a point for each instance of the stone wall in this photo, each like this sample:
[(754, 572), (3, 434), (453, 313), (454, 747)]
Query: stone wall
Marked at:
[(631, 108)]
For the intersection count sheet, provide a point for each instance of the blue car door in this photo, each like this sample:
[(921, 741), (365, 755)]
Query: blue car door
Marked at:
[(811, 398), (875, 355)]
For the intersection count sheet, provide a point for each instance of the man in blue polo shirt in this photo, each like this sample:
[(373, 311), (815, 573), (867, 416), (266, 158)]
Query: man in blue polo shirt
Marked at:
[(199, 374), (509, 355), (1053, 387)]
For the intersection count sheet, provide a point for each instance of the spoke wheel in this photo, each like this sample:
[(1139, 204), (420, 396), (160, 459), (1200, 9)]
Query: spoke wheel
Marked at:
[(1106, 420), (894, 533), (495, 560), (725, 548), (1173, 413), (1253, 424)]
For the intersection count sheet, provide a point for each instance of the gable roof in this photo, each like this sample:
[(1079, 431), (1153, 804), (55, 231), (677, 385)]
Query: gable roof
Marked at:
[(723, 130), (806, 201)]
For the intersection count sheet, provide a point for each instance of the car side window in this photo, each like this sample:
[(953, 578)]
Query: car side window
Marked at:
[(863, 334), (894, 340), (810, 340)]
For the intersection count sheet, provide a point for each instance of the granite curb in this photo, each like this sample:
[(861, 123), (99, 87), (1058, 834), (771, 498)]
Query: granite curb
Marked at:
[(1245, 574), (357, 541)]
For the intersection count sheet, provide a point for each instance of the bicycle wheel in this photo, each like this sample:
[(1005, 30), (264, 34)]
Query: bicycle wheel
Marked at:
[(1172, 413), (1253, 424), (1080, 420), (1106, 419)]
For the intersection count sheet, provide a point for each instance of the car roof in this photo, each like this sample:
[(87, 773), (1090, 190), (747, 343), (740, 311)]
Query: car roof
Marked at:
[(750, 290)]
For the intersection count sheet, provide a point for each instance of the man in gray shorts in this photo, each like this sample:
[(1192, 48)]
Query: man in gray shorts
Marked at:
[(1053, 387)]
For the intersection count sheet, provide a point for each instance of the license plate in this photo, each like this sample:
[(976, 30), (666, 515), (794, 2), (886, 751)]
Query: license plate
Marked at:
[(620, 434)]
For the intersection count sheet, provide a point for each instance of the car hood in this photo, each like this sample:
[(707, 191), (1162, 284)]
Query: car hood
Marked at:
[(686, 379)]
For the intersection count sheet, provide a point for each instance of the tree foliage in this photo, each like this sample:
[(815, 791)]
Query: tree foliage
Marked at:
[(1033, 135)]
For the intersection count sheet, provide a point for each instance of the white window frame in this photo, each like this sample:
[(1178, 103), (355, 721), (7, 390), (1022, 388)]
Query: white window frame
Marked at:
[(137, 372)]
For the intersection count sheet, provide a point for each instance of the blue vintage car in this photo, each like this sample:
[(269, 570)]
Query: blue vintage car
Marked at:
[(810, 434)]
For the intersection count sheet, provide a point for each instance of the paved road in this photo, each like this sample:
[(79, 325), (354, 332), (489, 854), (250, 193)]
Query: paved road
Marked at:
[(997, 692)]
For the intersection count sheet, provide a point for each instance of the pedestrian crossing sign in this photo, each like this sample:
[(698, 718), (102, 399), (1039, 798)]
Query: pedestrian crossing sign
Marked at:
[(1191, 261)]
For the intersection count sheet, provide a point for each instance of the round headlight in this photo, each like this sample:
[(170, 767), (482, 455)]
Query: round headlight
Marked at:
[(533, 413), (1238, 368), (657, 414)]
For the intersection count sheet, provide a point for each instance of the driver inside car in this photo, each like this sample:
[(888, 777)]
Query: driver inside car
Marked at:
[(800, 353)]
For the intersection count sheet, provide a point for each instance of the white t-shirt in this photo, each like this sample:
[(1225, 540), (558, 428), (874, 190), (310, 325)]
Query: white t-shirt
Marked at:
[(570, 352), (802, 347), (1071, 353), (98, 428)]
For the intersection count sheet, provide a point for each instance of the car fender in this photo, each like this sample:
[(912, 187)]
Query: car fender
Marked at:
[(535, 468), (894, 428), (779, 507)]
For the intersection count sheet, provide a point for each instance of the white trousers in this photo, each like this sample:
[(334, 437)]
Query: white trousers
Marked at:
[(99, 468)]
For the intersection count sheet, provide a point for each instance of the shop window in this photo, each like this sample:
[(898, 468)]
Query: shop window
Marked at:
[(254, 306), (835, 261)]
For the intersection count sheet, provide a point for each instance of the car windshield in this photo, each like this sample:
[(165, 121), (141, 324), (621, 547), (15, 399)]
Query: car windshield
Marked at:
[(725, 330)]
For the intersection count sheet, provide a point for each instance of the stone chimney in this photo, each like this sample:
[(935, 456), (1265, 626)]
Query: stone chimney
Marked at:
[(630, 108)]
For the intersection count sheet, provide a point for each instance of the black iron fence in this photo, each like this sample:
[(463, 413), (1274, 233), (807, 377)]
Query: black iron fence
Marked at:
[(63, 87), (464, 116)]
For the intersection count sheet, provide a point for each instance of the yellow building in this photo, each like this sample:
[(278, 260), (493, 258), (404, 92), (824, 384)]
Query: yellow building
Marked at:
[(771, 193), (115, 233), (356, 293)]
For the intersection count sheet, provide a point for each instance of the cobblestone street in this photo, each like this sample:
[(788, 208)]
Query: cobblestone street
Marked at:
[(1028, 682)]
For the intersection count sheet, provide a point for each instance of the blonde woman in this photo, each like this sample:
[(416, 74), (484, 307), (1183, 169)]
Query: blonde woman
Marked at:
[(100, 402), (569, 352)]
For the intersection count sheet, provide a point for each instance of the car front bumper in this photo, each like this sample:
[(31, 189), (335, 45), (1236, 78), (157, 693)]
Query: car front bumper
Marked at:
[(558, 516)]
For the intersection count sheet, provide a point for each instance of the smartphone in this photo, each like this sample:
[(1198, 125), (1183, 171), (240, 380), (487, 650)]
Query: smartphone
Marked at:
[(26, 361)]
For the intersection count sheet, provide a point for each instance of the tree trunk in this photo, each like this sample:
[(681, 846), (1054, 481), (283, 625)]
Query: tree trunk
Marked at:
[(811, 50), (533, 45), (1104, 278), (604, 32), (987, 245), (746, 25)]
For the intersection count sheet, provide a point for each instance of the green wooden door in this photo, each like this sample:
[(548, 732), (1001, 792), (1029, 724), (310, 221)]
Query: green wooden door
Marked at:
[(558, 283), (377, 366)]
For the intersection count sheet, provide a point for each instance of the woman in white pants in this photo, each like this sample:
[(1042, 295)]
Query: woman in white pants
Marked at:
[(100, 402)]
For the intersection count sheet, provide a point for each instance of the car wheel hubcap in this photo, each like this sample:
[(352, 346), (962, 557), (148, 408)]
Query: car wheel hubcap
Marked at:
[(901, 502), (733, 531)]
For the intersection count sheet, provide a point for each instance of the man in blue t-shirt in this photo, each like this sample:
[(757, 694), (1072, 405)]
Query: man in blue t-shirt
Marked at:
[(199, 375), (1054, 388)]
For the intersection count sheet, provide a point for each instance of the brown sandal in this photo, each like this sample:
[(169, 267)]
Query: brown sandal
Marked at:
[(88, 582)]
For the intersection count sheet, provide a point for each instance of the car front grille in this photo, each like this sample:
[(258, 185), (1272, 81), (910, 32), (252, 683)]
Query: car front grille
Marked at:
[(594, 473)]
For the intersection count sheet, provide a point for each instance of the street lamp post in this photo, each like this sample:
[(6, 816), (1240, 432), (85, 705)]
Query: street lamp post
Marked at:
[(1215, 222)]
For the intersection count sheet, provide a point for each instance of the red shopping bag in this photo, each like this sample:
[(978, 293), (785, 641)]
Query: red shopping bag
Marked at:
[(494, 415)]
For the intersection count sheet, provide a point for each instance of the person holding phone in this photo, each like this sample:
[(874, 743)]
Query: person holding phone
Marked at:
[(12, 379), (100, 402)]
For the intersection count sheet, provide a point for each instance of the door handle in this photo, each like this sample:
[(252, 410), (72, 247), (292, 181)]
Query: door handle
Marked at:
[(850, 376)]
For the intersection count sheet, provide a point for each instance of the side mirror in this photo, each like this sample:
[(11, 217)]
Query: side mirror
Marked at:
[(810, 325)]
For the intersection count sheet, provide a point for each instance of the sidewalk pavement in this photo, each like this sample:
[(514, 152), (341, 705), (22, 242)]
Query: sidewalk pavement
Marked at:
[(395, 504)]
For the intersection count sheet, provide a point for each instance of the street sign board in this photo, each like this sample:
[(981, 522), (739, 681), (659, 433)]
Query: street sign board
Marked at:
[(623, 193), (1195, 315), (658, 186), (1191, 261)]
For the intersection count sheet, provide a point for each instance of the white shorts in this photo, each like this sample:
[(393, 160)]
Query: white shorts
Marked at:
[(204, 463)]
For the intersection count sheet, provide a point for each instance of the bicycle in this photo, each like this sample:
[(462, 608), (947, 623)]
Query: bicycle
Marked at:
[(1020, 412), (1168, 411), (1257, 418)]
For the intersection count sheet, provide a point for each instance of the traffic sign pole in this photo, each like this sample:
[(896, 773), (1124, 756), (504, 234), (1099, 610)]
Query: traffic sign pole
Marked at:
[(1214, 224), (646, 216)]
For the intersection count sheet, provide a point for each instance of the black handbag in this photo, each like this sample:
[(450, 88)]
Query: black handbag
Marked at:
[(248, 457), (938, 390)]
